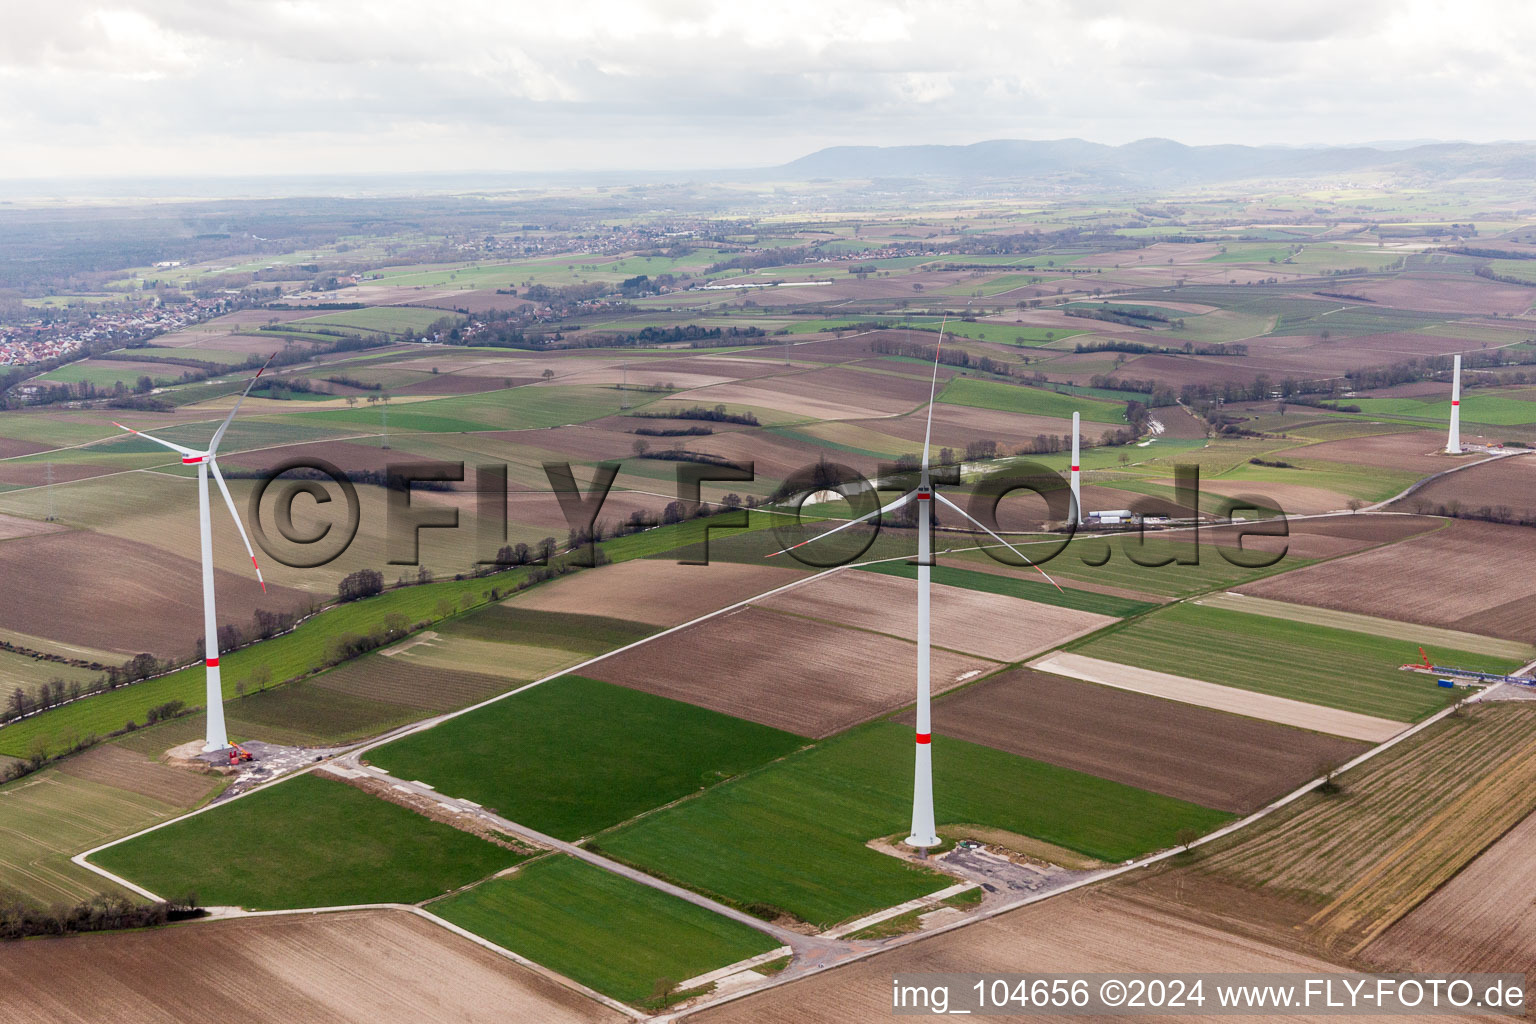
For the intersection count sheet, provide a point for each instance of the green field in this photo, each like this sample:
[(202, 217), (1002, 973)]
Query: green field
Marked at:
[(1336, 668), (987, 394), (1011, 586), (1494, 409), (574, 755), (621, 938), (48, 817), (306, 842), (792, 835)]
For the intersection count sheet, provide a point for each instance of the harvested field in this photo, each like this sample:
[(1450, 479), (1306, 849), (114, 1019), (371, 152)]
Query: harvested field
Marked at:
[(368, 967), (1216, 760), (806, 677), (1222, 698), (119, 595), (112, 765), (1483, 576), (970, 621), (1096, 931), (1480, 920), (1337, 870), (655, 591), (1502, 487)]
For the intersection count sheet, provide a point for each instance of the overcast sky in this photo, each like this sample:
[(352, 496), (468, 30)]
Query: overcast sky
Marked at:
[(194, 87)]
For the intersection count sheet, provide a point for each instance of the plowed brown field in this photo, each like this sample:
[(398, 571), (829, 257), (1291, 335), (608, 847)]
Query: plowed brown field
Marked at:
[(1506, 486), (118, 595), (986, 625), (112, 765), (371, 967), (807, 677), (1481, 577), (1207, 757)]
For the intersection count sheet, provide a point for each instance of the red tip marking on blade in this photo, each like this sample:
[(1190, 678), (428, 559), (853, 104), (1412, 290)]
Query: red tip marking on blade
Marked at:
[(1456, 402), (213, 662), (925, 737), (1076, 468)]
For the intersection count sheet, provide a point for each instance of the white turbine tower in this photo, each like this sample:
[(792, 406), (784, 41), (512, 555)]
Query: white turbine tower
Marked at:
[(1077, 477), (924, 829), (1453, 443), (217, 738)]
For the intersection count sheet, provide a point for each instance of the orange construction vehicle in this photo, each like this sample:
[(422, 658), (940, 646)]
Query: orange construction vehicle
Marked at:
[(238, 754)]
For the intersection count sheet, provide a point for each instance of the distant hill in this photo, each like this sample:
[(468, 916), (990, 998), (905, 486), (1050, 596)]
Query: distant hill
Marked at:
[(1161, 161)]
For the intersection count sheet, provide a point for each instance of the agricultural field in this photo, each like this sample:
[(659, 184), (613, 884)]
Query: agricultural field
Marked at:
[(985, 394), (625, 940), (1097, 931), (971, 621), (56, 813), (358, 967), (1480, 575), (800, 675), (1217, 760), (792, 837), (574, 755), (1397, 828), (1471, 923), (308, 842), (1354, 671)]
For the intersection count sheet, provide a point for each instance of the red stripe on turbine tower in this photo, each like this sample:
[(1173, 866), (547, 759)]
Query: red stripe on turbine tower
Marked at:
[(213, 662), (924, 737), (1076, 468), (1456, 402)]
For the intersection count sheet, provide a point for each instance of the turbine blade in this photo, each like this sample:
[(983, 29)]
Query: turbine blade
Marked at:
[(852, 522), (1000, 540), (933, 389), (230, 501), (173, 446), (218, 436)]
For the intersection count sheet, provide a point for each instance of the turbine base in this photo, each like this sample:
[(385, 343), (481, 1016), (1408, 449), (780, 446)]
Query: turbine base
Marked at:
[(922, 842), (213, 748)]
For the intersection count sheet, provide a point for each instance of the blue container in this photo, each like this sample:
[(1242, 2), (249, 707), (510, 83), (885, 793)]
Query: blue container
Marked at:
[(1447, 683)]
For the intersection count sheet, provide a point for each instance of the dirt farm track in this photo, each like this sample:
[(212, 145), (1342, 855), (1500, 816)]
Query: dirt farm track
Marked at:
[(371, 967)]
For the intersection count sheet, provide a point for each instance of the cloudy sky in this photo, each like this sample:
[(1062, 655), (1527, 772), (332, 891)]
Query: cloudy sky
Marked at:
[(196, 87)]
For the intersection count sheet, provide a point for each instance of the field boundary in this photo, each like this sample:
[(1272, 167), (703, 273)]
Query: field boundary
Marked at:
[(1231, 699)]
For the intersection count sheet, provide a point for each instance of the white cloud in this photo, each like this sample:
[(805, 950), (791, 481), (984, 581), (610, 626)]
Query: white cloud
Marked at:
[(236, 86)]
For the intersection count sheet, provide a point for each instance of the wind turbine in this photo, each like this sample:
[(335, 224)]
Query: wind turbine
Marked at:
[(924, 829), (217, 738)]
